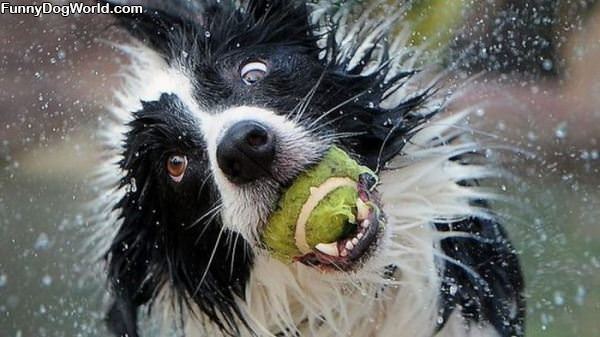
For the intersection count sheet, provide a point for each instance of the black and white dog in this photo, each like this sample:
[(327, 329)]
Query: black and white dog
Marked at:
[(226, 103)]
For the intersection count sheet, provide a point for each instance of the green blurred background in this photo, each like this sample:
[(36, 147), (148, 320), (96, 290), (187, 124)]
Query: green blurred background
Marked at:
[(538, 75)]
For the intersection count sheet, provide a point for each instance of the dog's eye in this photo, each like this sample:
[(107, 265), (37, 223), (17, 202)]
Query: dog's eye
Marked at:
[(176, 166), (253, 72)]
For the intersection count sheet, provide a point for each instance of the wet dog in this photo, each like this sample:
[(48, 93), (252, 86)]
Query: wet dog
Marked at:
[(225, 103)]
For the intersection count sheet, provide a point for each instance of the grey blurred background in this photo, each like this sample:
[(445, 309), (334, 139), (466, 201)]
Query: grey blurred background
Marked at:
[(540, 82)]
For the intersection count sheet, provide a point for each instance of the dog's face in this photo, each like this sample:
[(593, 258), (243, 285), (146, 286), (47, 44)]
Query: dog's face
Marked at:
[(266, 93)]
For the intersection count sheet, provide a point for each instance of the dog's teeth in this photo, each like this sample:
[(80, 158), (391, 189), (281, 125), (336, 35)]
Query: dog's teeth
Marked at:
[(344, 253), (349, 245), (365, 223), (359, 236), (355, 241), (330, 249), (362, 210)]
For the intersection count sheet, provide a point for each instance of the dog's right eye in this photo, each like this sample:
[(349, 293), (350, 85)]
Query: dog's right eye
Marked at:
[(176, 166), (253, 72)]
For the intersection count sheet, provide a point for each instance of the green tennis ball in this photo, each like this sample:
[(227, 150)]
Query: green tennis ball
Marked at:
[(333, 218), (331, 187)]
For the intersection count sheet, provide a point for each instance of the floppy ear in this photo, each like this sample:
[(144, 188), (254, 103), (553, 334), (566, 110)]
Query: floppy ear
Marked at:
[(268, 8), (154, 26), (284, 20)]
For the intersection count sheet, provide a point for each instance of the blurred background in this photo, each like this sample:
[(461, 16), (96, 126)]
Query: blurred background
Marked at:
[(538, 75)]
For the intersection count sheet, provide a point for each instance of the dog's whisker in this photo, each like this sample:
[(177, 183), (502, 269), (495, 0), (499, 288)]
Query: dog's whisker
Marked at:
[(215, 209), (232, 264), (315, 129), (334, 137), (335, 108), (209, 175), (210, 260), (304, 104)]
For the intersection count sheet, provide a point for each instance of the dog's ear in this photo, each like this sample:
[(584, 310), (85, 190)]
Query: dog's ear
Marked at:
[(154, 25), (283, 19), (269, 8)]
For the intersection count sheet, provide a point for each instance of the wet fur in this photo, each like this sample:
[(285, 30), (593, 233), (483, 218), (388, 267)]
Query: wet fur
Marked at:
[(444, 266)]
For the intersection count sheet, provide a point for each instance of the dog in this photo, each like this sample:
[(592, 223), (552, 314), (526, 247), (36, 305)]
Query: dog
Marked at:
[(225, 104)]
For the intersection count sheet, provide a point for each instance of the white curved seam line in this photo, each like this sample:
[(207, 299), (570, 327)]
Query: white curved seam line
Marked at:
[(316, 195)]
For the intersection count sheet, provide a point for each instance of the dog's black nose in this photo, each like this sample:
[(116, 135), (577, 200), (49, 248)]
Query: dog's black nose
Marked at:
[(246, 152)]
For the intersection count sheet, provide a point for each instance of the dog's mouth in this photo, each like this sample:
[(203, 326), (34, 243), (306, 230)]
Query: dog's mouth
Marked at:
[(356, 246)]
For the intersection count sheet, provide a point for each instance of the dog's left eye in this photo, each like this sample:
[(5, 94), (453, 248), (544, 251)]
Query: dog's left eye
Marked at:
[(176, 166), (253, 72)]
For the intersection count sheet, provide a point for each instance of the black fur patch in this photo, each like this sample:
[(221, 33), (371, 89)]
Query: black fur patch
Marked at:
[(483, 277), (166, 238)]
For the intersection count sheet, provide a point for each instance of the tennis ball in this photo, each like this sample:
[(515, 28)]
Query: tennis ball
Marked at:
[(319, 207)]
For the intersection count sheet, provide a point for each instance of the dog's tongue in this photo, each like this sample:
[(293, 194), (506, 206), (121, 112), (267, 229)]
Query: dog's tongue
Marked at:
[(322, 207)]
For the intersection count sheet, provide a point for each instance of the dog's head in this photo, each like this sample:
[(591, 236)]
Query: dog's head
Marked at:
[(241, 99)]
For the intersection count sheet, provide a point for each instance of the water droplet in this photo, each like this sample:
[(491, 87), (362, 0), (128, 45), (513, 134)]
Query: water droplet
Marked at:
[(47, 280), (585, 155), (42, 242), (3, 280), (207, 34), (580, 295), (559, 299), (561, 130), (132, 186)]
